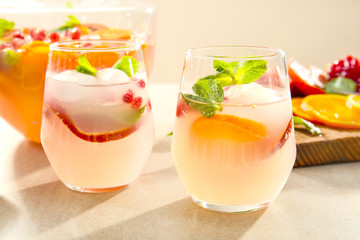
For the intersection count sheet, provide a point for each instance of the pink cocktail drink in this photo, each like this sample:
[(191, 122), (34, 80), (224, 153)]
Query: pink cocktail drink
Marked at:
[(97, 129)]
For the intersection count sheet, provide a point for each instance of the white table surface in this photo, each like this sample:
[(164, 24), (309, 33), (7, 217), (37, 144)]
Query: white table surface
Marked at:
[(320, 202)]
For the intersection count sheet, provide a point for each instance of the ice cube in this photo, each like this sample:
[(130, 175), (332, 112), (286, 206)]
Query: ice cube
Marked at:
[(251, 93), (67, 86), (111, 76), (76, 77)]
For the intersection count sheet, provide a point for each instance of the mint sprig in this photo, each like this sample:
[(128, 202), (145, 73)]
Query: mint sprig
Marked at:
[(309, 126), (70, 23), (128, 64), (208, 90), (206, 107), (5, 25), (85, 67), (11, 57)]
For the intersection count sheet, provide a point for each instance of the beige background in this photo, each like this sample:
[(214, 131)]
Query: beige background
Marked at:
[(312, 31)]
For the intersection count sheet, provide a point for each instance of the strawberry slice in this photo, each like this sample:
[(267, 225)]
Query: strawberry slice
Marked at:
[(308, 80), (90, 137)]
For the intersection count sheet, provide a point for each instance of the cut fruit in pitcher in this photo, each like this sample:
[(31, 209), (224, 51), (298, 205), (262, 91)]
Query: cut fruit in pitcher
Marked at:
[(222, 126)]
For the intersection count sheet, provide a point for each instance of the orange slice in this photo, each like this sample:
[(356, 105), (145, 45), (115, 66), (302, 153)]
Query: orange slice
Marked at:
[(353, 102), (33, 64), (332, 110), (222, 126), (301, 111)]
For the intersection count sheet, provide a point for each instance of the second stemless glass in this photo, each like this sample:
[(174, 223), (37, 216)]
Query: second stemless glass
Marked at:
[(233, 143), (97, 128)]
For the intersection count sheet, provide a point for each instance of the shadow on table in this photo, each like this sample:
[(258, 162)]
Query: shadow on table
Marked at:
[(8, 213), (52, 203), (180, 220), (29, 157)]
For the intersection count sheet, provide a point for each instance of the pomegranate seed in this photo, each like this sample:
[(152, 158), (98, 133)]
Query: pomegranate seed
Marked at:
[(38, 35), (86, 45), (18, 42), (348, 67), (5, 45), (54, 37), (137, 102), (141, 84), (129, 96), (182, 108), (18, 34), (75, 33), (149, 105)]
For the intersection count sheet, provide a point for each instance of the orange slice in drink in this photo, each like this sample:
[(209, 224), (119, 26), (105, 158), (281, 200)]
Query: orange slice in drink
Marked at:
[(90, 137), (222, 126), (332, 110)]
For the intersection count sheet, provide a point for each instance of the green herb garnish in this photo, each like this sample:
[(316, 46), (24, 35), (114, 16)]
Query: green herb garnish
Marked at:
[(11, 57), (5, 25), (70, 23), (309, 126), (85, 67), (340, 85), (127, 64), (134, 116), (208, 90), (170, 134)]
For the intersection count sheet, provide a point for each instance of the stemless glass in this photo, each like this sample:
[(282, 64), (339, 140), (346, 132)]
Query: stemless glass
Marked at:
[(97, 128), (239, 158)]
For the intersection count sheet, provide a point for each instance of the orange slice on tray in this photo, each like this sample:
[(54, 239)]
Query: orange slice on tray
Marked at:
[(302, 111), (222, 126), (90, 137), (353, 102), (332, 110)]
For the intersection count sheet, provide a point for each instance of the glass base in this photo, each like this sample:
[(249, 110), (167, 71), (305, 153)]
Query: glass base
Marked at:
[(230, 208), (96, 190)]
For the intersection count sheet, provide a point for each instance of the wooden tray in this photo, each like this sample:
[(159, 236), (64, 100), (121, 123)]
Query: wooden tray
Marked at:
[(334, 146)]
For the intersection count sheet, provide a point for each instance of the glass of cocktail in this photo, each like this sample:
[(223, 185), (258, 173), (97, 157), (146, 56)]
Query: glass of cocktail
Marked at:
[(97, 128), (233, 143)]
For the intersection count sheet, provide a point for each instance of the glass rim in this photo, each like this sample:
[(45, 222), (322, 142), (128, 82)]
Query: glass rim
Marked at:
[(64, 45), (276, 52)]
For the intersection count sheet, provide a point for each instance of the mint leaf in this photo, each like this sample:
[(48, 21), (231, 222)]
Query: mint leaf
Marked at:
[(5, 25), (250, 71), (127, 64), (309, 126), (224, 78), (202, 105), (209, 89), (134, 116), (70, 23), (170, 134), (220, 65), (341, 85), (11, 56), (85, 67)]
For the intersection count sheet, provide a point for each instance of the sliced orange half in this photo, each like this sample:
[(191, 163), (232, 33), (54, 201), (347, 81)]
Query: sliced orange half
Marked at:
[(300, 111), (222, 126), (332, 110), (353, 102)]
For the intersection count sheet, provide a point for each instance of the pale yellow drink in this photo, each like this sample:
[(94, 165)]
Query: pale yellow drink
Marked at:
[(220, 168)]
